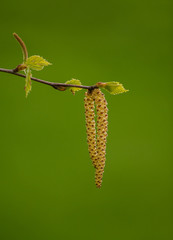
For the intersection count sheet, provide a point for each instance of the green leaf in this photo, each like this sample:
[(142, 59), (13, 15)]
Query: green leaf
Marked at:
[(28, 81), (112, 87), (36, 62), (74, 82)]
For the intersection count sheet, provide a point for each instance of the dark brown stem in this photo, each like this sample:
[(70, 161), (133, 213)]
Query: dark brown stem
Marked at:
[(52, 84)]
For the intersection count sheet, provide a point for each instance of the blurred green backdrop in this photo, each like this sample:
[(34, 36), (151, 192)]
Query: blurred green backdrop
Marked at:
[(47, 188)]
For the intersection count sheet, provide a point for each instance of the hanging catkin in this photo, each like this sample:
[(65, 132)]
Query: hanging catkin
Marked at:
[(102, 128), (90, 126)]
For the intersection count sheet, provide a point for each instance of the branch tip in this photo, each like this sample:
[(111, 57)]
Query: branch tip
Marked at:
[(23, 46)]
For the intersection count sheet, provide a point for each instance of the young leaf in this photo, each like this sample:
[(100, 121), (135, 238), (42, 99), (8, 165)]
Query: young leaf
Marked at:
[(74, 82), (28, 81), (36, 62), (112, 87)]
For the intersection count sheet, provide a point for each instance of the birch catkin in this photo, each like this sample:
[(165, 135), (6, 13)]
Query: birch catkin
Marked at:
[(90, 127), (102, 128)]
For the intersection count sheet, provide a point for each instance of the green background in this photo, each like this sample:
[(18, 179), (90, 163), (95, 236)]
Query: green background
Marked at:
[(47, 188)]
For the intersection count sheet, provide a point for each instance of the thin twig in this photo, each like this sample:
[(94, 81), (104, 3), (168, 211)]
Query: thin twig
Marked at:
[(52, 84)]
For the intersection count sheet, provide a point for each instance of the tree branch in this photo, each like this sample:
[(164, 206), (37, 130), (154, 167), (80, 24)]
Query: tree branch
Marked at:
[(52, 84)]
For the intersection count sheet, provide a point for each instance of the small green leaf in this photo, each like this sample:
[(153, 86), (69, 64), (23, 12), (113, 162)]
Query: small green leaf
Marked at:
[(112, 87), (74, 82), (36, 62), (28, 81)]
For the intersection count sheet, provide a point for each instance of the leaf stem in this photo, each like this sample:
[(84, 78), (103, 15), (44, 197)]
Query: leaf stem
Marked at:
[(52, 84)]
